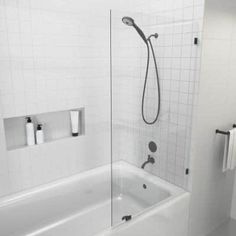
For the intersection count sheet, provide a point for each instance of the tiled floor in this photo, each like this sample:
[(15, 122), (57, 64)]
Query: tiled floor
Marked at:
[(227, 229)]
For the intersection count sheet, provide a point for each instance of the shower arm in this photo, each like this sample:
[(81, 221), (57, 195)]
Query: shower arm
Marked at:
[(153, 35)]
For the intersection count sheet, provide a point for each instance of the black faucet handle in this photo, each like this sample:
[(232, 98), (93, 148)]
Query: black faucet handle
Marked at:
[(152, 146)]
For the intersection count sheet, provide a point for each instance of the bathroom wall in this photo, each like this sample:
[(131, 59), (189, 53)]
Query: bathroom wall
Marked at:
[(178, 62), (54, 56), (233, 206), (211, 189)]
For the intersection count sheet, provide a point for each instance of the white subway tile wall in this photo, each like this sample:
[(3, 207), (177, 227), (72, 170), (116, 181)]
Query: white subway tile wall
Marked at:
[(54, 55), (53, 59), (178, 60)]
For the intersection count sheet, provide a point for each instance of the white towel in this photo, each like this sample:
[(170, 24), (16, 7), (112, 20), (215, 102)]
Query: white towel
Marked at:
[(233, 148), (229, 162), (230, 149), (226, 148)]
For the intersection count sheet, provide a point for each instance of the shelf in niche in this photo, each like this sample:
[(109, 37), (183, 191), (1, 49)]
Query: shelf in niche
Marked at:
[(56, 141), (56, 125)]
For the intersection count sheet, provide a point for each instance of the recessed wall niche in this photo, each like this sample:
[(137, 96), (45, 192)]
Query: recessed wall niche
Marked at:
[(56, 125)]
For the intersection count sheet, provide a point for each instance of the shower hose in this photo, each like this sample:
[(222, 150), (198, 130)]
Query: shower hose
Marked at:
[(145, 83)]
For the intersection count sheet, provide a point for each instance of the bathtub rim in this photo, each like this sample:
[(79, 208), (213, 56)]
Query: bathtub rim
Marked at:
[(119, 165), (28, 193)]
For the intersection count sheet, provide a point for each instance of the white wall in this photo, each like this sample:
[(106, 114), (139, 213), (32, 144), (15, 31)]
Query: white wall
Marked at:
[(54, 56), (233, 207), (216, 108)]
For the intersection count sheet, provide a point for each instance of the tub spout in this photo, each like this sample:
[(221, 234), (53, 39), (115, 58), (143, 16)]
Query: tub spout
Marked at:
[(149, 160)]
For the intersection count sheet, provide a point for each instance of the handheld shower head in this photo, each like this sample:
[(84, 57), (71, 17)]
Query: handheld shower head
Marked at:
[(130, 22)]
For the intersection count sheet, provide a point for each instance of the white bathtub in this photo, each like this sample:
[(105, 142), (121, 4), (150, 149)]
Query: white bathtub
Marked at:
[(81, 206)]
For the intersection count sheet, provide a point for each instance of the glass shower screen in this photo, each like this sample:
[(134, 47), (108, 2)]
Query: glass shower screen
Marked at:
[(143, 153)]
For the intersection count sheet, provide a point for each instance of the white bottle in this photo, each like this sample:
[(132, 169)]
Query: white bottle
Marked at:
[(30, 138), (39, 134), (74, 116)]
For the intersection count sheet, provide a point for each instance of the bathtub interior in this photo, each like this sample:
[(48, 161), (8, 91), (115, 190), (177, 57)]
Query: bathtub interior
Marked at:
[(135, 191)]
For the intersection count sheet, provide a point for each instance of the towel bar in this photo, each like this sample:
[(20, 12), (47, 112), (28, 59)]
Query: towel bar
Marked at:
[(222, 132)]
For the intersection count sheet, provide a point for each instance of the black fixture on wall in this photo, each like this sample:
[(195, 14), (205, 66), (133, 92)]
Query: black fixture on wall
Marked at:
[(130, 22), (152, 146), (196, 41)]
